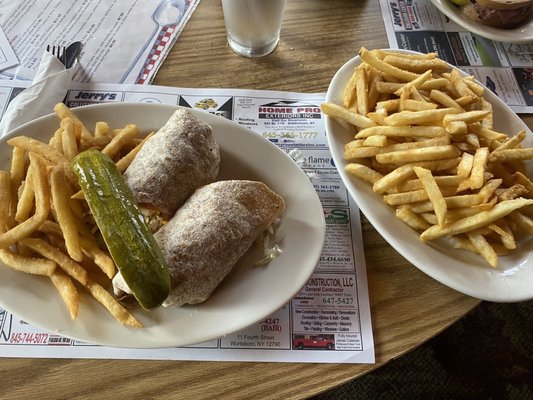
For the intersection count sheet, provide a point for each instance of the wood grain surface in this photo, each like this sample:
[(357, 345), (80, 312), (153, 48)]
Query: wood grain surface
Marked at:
[(408, 307)]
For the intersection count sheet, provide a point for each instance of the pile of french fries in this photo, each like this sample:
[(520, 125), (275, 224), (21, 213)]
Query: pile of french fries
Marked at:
[(425, 141), (46, 227)]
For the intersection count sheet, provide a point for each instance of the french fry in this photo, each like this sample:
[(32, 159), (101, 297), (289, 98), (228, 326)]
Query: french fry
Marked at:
[(5, 199), (522, 221), (512, 192), (463, 243), (42, 200), (462, 88), (89, 247), (125, 161), (361, 85), (511, 155), (388, 69), (389, 106), (354, 153), (68, 140), (101, 128), (422, 154), (416, 65), (434, 193), (26, 200), (441, 180), (119, 140), (469, 117), (393, 178), (45, 151), (487, 133), (102, 259), (56, 142), (63, 112), (437, 165), (523, 180), (477, 221), (37, 147), (418, 105), (65, 217), (512, 142), (444, 99), (419, 117), (508, 239), (414, 83), (67, 290), (29, 265), (62, 260), (115, 309), (363, 172), (474, 86), (373, 95), (388, 87), (414, 196), (17, 173), (477, 176), (351, 117), (411, 219), (484, 248), (402, 131), (437, 141), (376, 140)]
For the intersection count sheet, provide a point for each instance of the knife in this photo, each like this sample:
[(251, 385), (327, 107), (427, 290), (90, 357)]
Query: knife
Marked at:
[(71, 54)]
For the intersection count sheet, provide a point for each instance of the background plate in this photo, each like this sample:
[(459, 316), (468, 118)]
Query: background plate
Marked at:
[(520, 34), (458, 269), (247, 295)]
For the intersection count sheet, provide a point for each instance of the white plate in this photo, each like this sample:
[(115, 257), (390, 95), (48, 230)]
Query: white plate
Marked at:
[(247, 295), (520, 34), (458, 269)]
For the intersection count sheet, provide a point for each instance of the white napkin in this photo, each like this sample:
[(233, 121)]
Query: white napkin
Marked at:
[(49, 87)]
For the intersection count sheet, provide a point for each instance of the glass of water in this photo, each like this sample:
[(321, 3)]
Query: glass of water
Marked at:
[(253, 26)]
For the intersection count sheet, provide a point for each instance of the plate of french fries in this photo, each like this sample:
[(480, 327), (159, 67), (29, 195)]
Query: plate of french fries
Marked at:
[(441, 168), (55, 271)]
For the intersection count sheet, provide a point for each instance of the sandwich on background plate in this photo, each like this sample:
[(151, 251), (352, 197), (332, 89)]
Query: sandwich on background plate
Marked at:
[(503, 14)]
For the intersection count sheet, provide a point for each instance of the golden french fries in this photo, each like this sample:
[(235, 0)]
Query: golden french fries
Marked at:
[(64, 215), (67, 291), (109, 302), (431, 151), (30, 265), (45, 229)]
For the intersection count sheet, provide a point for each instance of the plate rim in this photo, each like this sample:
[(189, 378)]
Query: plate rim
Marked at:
[(318, 225)]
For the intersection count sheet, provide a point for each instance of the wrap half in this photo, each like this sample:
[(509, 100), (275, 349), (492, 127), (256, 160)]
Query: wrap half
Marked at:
[(179, 158), (211, 232)]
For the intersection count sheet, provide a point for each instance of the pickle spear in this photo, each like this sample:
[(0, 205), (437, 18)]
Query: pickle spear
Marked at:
[(128, 239)]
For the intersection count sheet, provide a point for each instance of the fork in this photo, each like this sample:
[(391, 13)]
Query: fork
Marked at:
[(58, 51)]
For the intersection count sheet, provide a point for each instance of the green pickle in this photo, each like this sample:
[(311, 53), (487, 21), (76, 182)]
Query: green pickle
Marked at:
[(122, 226)]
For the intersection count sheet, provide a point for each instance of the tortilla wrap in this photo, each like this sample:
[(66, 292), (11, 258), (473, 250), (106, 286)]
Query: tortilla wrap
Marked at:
[(173, 163), (211, 232)]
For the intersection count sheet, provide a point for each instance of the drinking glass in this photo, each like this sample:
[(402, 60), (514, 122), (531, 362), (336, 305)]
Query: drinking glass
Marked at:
[(253, 26)]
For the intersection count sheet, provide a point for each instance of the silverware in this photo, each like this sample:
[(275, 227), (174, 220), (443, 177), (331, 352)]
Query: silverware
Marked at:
[(71, 53), (58, 51), (68, 55)]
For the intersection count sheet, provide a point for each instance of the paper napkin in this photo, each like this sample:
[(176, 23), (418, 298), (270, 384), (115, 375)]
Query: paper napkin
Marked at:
[(49, 87)]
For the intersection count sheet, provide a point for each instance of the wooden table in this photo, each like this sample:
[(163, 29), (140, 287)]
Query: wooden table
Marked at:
[(408, 307)]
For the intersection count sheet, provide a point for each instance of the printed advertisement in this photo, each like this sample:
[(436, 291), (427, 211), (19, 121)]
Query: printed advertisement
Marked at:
[(505, 68)]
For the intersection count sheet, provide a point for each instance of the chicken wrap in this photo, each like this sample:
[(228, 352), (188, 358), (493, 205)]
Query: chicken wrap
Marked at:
[(179, 158), (211, 232)]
